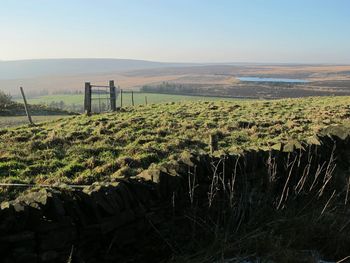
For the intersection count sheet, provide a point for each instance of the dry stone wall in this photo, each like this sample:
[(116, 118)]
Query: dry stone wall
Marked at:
[(133, 220)]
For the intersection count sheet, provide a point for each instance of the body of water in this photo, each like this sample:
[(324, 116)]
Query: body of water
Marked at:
[(257, 79)]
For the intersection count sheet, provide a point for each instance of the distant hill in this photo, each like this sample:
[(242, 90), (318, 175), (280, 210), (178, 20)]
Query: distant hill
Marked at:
[(59, 76), (19, 69)]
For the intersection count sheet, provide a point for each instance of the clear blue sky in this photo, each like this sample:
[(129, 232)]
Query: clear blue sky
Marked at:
[(303, 31)]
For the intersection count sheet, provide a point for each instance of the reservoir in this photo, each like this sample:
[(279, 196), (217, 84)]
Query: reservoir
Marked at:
[(258, 79)]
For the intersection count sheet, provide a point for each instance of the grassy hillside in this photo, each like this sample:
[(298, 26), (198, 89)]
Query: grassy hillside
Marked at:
[(76, 101), (82, 149)]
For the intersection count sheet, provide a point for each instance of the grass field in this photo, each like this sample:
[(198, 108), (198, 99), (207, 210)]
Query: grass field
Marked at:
[(81, 149), (11, 121), (139, 98), (78, 99)]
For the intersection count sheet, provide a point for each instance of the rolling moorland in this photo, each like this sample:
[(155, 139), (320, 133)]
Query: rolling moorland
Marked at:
[(167, 161), (49, 77)]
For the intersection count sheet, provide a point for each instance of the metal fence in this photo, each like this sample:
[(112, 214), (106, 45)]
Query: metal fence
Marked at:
[(100, 98)]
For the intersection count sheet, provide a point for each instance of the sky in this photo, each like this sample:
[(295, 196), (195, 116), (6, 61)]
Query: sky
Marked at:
[(206, 31)]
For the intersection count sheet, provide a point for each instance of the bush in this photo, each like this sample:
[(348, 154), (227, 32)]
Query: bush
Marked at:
[(5, 98)]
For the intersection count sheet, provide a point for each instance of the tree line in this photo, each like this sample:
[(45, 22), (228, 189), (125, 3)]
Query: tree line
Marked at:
[(173, 88)]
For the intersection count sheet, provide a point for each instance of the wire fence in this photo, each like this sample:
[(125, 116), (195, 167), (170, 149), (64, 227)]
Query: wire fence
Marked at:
[(100, 99)]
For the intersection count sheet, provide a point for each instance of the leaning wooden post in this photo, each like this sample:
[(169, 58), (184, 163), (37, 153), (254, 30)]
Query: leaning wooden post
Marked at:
[(112, 96), (87, 101), (26, 107), (132, 98), (121, 98)]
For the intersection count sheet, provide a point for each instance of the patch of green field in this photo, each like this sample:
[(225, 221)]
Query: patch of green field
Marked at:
[(139, 98), (81, 149), (11, 121), (66, 98)]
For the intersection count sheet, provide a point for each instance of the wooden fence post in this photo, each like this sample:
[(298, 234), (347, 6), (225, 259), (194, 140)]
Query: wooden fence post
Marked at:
[(87, 101), (132, 98), (112, 96), (26, 107), (121, 98), (146, 100)]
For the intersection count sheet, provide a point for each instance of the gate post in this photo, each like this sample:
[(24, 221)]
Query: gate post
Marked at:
[(87, 101), (112, 96)]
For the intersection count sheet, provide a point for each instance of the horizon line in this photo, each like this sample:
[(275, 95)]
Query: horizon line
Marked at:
[(178, 62)]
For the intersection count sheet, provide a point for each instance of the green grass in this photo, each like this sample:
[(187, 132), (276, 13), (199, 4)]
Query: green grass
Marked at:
[(12, 121), (68, 99), (81, 149), (139, 98)]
